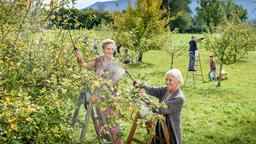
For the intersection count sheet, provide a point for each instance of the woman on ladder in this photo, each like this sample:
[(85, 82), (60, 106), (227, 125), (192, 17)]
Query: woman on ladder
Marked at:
[(104, 65)]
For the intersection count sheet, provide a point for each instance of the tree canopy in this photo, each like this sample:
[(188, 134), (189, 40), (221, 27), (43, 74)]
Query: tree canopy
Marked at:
[(213, 13), (139, 28), (231, 42), (182, 13), (85, 18)]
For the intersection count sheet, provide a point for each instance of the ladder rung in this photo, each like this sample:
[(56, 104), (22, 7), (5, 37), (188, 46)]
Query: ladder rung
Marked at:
[(197, 79), (194, 74), (137, 141), (197, 74), (97, 118)]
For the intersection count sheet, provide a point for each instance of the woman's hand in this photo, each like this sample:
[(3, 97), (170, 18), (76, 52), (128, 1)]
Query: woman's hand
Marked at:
[(78, 55), (141, 93), (92, 99), (137, 84)]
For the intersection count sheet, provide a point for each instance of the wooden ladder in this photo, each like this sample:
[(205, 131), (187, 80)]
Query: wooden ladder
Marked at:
[(150, 126), (99, 115), (197, 74)]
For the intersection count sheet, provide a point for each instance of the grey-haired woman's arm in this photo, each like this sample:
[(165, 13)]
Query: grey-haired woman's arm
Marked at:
[(154, 91), (174, 105)]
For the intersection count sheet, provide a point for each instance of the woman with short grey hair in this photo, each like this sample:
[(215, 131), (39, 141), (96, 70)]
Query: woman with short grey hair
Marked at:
[(172, 96)]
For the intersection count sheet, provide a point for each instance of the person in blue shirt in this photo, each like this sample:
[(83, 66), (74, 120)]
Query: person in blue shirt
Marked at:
[(192, 51)]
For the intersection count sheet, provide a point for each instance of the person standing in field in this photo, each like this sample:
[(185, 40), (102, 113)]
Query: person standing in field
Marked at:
[(212, 69)]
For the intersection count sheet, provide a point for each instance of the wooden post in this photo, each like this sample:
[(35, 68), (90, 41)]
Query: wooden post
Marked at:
[(95, 123), (75, 115), (109, 134), (86, 120), (150, 138), (150, 129), (165, 131), (133, 129)]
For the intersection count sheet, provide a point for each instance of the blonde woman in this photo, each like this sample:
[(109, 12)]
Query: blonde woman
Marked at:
[(106, 66)]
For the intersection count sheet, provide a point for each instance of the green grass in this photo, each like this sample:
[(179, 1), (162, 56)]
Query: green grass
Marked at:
[(226, 114)]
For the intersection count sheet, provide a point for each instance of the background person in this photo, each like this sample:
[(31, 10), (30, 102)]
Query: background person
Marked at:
[(192, 52), (127, 57), (212, 69)]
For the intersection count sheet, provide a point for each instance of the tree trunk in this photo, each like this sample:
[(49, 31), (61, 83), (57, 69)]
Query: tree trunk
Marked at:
[(219, 81), (140, 57), (172, 60)]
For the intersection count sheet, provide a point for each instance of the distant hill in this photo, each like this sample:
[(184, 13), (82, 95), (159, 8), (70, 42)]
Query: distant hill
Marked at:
[(250, 5), (112, 5)]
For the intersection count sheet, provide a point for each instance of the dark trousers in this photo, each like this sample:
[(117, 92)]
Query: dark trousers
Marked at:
[(192, 58)]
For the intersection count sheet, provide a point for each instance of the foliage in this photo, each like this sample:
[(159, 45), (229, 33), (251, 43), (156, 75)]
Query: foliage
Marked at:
[(231, 42), (66, 18), (235, 12), (211, 14), (173, 49), (38, 78), (181, 12), (85, 18), (91, 18), (182, 22), (139, 28)]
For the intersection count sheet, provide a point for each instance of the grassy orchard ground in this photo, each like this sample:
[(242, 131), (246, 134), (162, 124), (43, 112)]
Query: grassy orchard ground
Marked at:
[(210, 115)]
